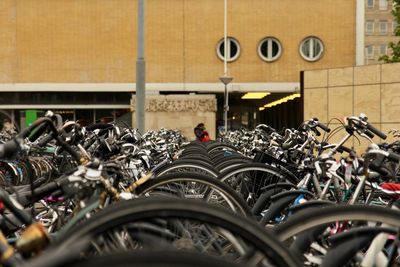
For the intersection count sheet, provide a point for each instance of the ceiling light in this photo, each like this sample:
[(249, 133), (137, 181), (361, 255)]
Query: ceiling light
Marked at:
[(255, 95), (282, 100)]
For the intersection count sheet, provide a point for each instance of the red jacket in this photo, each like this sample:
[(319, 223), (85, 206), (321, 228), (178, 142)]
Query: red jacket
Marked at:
[(201, 134)]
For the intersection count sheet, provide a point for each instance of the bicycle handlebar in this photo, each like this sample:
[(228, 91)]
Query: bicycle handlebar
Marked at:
[(376, 131), (369, 134), (389, 155), (9, 149), (39, 131), (394, 157), (370, 130), (323, 127)]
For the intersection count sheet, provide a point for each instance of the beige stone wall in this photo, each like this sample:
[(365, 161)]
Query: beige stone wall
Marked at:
[(94, 41), (181, 112), (336, 93)]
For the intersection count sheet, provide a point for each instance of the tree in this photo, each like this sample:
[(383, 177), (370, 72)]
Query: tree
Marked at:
[(394, 47)]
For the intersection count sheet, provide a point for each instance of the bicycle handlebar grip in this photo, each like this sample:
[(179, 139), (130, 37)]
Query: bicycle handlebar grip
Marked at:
[(345, 149), (323, 127), (39, 131), (376, 131), (45, 140), (394, 157), (9, 149), (27, 198), (369, 134)]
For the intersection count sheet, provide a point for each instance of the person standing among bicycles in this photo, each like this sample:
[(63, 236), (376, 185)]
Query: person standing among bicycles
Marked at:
[(201, 133)]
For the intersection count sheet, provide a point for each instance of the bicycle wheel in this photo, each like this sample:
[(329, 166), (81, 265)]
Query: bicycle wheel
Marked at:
[(309, 218), (169, 258), (219, 146), (188, 165), (196, 186), (312, 228), (184, 224), (230, 163), (249, 178)]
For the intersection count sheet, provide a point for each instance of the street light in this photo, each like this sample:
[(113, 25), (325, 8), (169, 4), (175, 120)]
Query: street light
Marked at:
[(226, 79), (140, 71)]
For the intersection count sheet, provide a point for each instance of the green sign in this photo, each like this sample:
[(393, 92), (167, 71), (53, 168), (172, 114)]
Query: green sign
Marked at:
[(30, 117)]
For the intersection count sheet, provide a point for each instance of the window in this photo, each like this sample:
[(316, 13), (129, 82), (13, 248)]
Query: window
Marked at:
[(369, 27), (233, 49), (382, 49), (370, 51), (269, 49), (394, 26), (383, 26), (311, 49), (383, 4), (370, 3)]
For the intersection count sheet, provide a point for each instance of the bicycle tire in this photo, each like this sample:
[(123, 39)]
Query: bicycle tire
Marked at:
[(217, 146), (188, 164), (222, 167), (198, 178), (139, 209), (309, 218), (254, 167), (154, 259)]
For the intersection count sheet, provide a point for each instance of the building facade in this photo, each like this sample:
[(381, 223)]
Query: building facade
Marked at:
[(379, 29), (78, 56), (371, 89)]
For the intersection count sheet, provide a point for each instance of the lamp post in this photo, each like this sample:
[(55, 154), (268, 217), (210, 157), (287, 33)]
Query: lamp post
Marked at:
[(226, 79), (140, 71)]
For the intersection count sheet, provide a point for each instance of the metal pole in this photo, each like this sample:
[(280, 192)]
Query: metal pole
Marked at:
[(140, 71), (226, 108), (226, 104), (224, 79), (225, 38)]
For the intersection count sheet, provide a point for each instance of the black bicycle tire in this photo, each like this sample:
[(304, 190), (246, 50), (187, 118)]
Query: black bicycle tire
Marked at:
[(218, 153), (222, 187), (166, 258), (313, 217), (197, 157), (215, 146), (250, 167), (223, 166), (222, 159), (139, 209), (188, 164)]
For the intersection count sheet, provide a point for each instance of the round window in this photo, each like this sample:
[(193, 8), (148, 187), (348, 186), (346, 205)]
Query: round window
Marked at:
[(233, 48), (269, 49), (311, 49)]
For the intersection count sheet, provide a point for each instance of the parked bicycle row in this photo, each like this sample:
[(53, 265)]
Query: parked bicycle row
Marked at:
[(106, 194)]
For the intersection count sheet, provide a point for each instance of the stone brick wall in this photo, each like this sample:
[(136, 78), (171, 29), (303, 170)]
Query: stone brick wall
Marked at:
[(94, 41), (182, 112), (336, 93)]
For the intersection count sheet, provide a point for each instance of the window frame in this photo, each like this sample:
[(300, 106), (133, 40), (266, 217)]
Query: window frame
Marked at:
[(229, 58), (370, 56), (271, 39), (380, 49), (371, 22), (383, 22), (385, 6), (321, 53)]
